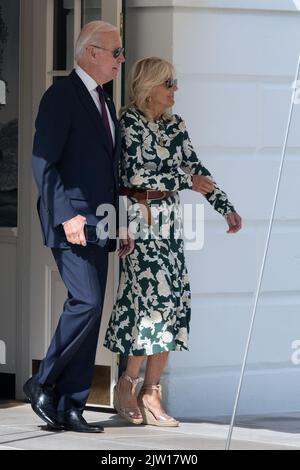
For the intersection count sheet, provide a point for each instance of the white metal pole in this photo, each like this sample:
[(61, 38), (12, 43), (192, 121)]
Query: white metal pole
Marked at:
[(242, 374)]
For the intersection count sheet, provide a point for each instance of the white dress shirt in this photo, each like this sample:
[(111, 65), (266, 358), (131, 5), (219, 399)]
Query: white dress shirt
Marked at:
[(91, 85)]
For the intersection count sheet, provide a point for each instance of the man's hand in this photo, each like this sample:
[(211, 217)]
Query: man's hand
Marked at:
[(202, 184), (234, 222), (127, 242), (74, 230)]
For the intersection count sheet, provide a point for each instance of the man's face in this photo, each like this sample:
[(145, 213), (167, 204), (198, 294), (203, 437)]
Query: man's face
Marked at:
[(104, 66)]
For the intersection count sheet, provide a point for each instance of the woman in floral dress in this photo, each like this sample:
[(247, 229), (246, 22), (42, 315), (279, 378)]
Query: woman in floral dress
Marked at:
[(152, 313)]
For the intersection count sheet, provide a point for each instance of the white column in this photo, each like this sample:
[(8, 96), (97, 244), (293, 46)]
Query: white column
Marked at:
[(149, 30), (235, 61)]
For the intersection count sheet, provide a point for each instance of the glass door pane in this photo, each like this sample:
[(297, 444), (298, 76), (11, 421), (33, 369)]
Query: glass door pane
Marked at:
[(9, 111), (63, 40)]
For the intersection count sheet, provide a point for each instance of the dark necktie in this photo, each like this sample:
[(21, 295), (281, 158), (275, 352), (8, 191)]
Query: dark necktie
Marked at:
[(105, 119)]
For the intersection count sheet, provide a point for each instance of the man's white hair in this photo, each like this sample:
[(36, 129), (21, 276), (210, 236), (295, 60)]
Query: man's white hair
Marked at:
[(89, 33)]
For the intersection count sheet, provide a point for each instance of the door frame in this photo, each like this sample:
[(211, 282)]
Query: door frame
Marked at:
[(24, 196), (36, 38)]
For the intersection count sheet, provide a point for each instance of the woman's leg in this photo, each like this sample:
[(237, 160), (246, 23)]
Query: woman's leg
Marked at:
[(150, 395), (134, 365), (127, 398), (154, 369)]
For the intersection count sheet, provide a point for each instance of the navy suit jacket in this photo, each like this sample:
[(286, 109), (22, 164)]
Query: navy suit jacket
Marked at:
[(72, 162)]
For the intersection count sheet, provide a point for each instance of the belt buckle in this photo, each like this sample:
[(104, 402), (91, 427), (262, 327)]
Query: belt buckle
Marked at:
[(155, 191), (149, 191)]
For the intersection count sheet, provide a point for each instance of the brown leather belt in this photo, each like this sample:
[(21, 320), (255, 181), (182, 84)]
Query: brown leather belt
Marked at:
[(144, 196)]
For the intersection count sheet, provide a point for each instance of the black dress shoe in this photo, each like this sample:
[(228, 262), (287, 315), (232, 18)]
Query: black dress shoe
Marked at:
[(72, 420), (42, 401)]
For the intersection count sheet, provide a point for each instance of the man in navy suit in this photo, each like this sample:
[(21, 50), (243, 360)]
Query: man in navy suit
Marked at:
[(75, 163)]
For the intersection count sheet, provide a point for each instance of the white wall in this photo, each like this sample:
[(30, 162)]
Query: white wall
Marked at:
[(235, 62)]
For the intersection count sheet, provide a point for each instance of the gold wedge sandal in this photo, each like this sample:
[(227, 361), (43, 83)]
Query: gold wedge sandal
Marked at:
[(131, 414), (149, 416)]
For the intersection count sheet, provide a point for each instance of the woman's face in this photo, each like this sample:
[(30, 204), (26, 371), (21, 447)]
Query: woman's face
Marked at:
[(162, 96)]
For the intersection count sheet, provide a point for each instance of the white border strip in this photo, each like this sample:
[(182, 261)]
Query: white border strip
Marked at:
[(272, 5)]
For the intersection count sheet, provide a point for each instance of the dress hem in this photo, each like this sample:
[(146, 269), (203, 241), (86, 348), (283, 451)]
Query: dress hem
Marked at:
[(143, 352)]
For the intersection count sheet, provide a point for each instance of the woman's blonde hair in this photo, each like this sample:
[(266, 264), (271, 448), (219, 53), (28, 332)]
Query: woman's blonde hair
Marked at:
[(143, 77)]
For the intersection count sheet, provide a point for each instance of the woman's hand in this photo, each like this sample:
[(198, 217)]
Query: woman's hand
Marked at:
[(127, 242), (202, 184), (234, 222)]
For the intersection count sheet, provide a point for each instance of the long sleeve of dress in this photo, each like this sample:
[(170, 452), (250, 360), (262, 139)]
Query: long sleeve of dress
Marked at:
[(193, 166), (136, 171)]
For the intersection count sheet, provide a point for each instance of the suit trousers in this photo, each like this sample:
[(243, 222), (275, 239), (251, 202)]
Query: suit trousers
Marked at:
[(69, 361)]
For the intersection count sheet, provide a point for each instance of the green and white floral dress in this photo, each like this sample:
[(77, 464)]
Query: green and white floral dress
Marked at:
[(152, 310)]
